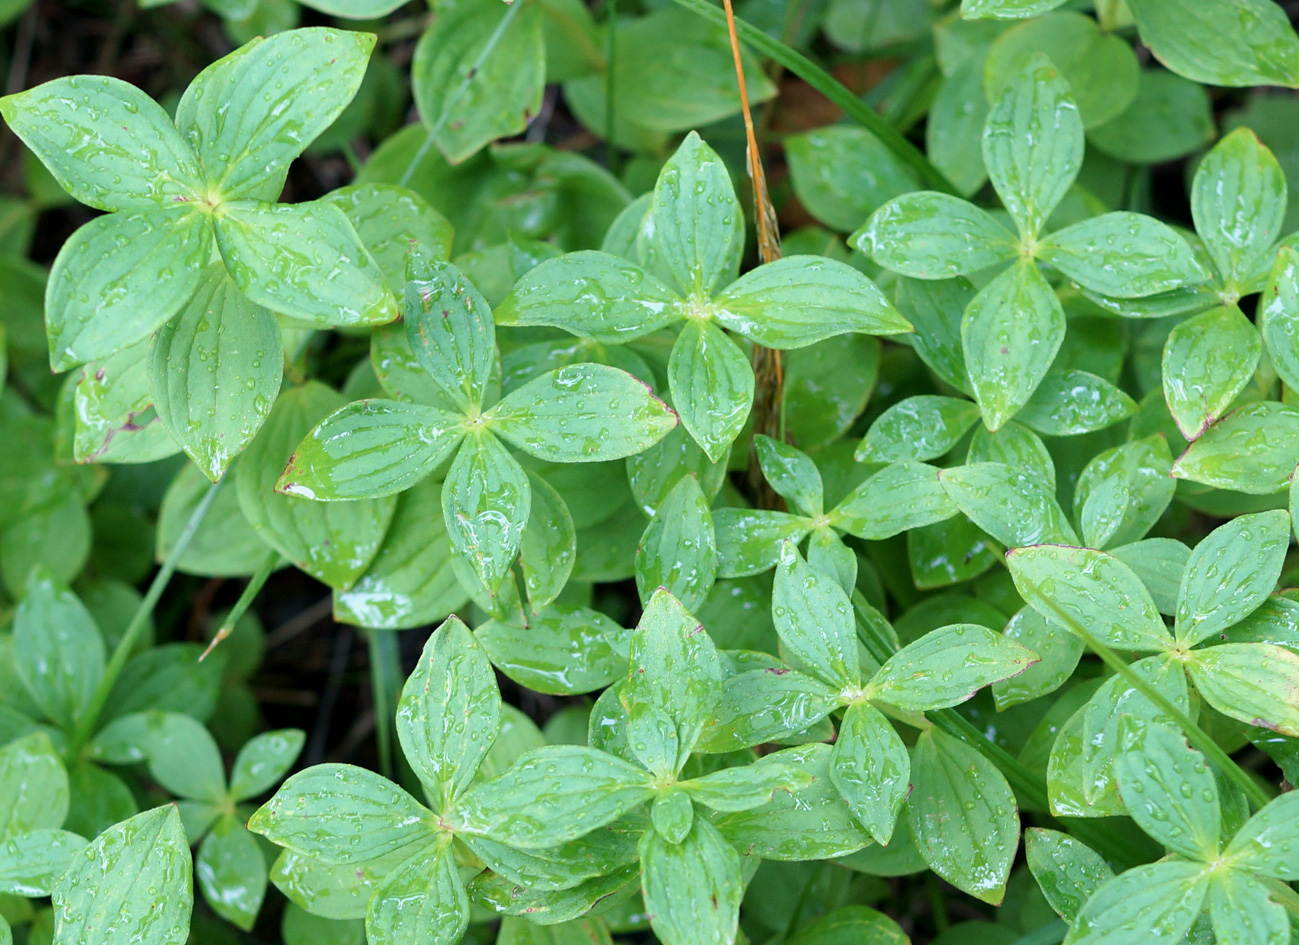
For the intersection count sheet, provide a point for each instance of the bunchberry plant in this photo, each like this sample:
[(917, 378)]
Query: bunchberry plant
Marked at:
[(648, 554)]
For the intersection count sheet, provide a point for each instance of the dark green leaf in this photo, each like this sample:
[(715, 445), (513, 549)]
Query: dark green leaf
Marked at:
[(58, 651), (1237, 43), (693, 888), (1067, 870)]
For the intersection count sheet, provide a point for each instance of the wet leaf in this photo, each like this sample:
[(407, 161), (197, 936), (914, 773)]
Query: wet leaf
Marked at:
[(1159, 900), (1257, 683), (947, 666), (564, 650), (450, 330), (106, 143), (1238, 200), (962, 815), (899, 497), (1267, 843), (1254, 449), (748, 540), (390, 220), (251, 113), (58, 652), (1091, 589), (231, 873), (842, 174), (678, 550), (1244, 914), (214, 372), (928, 235), (32, 861), (745, 786), (1009, 503), (693, 888), (814, 619), (1168, 789), (1122, 492), (871, 769), (132, 884), (486, 501), (1208, 360), (1278, 315), (1067, 870), (920, 428), (712, 386), (114, 420), (263, 761), (549, 545), (1242, 43), (1058, 653), (792, 474), (423, 901)]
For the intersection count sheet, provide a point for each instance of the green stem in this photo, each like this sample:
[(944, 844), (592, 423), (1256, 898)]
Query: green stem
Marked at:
[(90, 717), (254, 587), (832, 89), (385, 668), (1194, 734), (454, 98)]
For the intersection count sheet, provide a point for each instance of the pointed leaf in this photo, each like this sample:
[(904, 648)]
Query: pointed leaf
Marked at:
[(693, 888), (745, 786), (31, 862), (449, 712), (423, 901), (305, 261), (1123, 491), (1208, 360), (1254, 449), (1268, 844), (1033, 144), (1159, 900), (1231, 572), (1069, 402), (370, 448), (791, 473), (871, 769), (947, 666), (133, 884), (1238, 200), (119, 278), (899, 497), (564, 650), (33, 786), (929, 235), (1122, 255), (712, 386), (1244, 914), (748, 540), (230, 869), (1278, 315), (251, 113), (214, 372), (58, 652), (1257, 683), (1091, 589), (263, 761), (1058, 653), (106, 143), (1067, 870), (1011, 333), (449, 327), (1010, 504), (678, 550), (1168, 788), (815, 620), (921, 428), (486, 500)]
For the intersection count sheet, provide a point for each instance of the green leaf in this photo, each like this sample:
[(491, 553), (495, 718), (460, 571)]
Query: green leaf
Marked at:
[(132, 884), (450, 330), (1010, 504), (920, 428), (549, 546), (332, 541), (745, 786), (1033, 144), (58, 652), (748, 540), (928, 235), (842, 174), (1123, 491), (815, 620), (183, 757), (693, 888), (423, 900), (119, 278), (871, 769), (1278, 315), (800, 300), (449, 712), (954, 127), (486, 501), (224, 545), (1058, 653), (552, 795), (1014, 445), (693, 235), (1244, 914), (231, 873), (962, 815), (582, 413), (391, 220), (113, 419), (467, 100), (899, 497), (672, 815), (1099, 67), (1011, 333), (106, 143), (1238, 200), (766, 705), (1122, 255), (1230, 573), (1239, 43), (563, 650), (1170, 118), (1091, 589), (947, 666), (811, 823), (214, 372), (1069, 402), (1168, 789), (31, 862), (336, 892), (370, 448), (1208, 360), (33, 786), (859, 924), (263, 761), (305, 261), (249, 114), (1254, 449), (678, 551), (712, 386), (1159, 900), (410, 582), (1257, 683), (592, 295), (674, 680), (343, 814), (1266, 845), (1067, 870), (791, 473), (936, 309)]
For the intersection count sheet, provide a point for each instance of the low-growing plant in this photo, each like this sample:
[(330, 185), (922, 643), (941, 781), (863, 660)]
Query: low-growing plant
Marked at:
[(763, 590)]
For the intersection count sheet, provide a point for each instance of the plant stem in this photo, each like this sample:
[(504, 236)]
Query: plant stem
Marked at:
[(832, 89), (254, 587), (1194, 734), (454, 98), (122, 652)]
